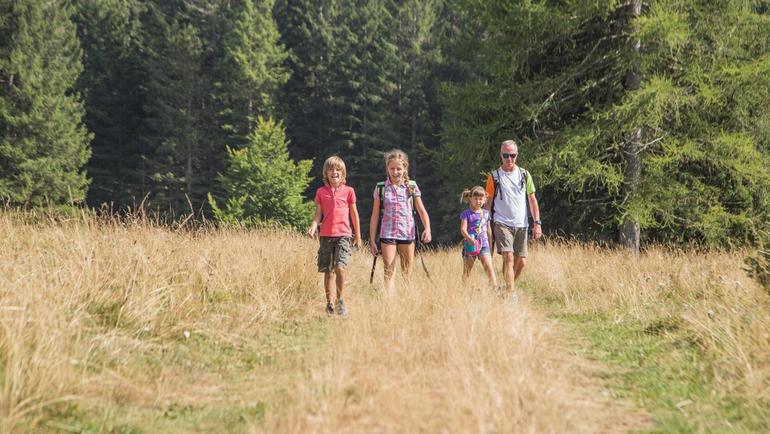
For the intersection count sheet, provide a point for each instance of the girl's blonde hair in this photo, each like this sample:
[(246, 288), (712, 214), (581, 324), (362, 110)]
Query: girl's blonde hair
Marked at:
[(334, 162), (397, 154), (476, 191)]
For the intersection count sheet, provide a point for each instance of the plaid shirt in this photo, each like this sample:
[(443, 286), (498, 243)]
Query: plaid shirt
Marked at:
[(397, 218)]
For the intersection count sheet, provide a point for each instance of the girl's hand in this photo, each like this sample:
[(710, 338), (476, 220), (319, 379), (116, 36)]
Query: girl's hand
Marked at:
[(373, 247), (426, 236)]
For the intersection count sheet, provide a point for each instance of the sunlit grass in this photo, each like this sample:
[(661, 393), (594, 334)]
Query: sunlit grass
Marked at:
[(112, 326)]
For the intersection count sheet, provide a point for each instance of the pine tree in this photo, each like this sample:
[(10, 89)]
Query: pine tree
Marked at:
[(261, 182), (566, 80), (178, 111), (112, 81), (43, 142), (251, 68)]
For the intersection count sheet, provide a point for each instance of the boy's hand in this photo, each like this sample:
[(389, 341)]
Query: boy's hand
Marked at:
[(357, 242), (311, 232)]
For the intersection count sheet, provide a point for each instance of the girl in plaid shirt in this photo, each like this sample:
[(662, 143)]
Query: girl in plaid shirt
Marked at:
[(393, 212)]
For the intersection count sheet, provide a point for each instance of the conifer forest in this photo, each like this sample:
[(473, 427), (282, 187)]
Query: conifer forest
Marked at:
[(633, 117)]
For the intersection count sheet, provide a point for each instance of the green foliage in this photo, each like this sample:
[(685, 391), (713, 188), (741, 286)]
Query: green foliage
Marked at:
[(261, 182), (758, 265), (112, 83), (251, 68), (43, 142), (556, 77)]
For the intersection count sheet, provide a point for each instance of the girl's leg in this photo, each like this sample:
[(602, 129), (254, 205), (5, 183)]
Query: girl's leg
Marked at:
[(467, 267), (486, 261), (389, 264), (341, 274), (406, 253), (328, 282)]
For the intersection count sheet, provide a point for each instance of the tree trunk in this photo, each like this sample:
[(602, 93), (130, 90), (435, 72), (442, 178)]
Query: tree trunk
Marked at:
[(629, 230)]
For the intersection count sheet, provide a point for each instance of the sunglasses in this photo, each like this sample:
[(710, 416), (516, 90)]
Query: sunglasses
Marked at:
[(504, 155)]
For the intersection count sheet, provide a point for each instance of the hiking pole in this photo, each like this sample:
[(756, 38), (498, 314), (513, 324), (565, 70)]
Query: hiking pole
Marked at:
[(374, 265)]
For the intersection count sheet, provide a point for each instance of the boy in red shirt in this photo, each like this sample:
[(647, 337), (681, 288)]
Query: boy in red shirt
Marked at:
[(335, 211)]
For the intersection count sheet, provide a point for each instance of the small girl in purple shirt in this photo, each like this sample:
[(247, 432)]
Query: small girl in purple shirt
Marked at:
[(476, 229)]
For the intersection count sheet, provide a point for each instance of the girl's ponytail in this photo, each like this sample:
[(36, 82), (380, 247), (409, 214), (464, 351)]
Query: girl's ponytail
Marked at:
[(475, 191), (465, 195)]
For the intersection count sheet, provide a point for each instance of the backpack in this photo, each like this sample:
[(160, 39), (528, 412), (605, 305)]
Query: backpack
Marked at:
[(412, 185), (499, 192)]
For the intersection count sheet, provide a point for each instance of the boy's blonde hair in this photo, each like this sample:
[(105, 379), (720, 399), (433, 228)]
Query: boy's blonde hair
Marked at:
[(397, 154), (475, 191), (334, 162)]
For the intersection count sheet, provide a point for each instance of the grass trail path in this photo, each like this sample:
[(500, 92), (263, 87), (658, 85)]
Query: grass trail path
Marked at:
[(445, 358)]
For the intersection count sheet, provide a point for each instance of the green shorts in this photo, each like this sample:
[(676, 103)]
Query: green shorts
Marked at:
[(508, 239), (334, 252)]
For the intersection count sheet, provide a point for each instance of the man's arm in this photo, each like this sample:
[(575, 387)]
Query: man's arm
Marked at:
[(534, 209)]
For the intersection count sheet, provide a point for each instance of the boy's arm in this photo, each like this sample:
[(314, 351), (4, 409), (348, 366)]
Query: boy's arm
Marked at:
[(356, 222), (316, 219)]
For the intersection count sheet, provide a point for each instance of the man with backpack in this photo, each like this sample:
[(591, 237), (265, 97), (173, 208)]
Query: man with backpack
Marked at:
[(511, 192)]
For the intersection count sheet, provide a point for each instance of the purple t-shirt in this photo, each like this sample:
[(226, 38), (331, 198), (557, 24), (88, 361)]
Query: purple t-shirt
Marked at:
[(477, 224)]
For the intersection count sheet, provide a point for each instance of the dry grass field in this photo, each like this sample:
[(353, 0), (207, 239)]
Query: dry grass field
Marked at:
[(134, 327)]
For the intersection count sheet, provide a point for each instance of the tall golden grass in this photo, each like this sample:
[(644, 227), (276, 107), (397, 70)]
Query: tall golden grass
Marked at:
[(129, 321)]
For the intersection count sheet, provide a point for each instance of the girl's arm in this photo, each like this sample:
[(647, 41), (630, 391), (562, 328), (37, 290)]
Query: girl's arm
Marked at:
[(464, 231), (373, 226), (425, 220), (316, 220), (356, 225)]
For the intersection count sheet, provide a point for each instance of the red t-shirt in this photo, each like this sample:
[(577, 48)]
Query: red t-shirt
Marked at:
[(335, 207)]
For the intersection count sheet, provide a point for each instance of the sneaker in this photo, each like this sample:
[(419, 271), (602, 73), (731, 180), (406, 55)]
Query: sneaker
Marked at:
[(329, 309), (514, 298), (341, 309)]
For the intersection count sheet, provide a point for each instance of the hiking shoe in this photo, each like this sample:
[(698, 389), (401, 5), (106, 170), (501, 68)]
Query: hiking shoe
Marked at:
[(514, 298), (329, 309), (341, 309)]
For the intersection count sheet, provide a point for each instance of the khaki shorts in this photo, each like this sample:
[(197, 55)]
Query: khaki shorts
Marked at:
[(334, 252), (508, 239)]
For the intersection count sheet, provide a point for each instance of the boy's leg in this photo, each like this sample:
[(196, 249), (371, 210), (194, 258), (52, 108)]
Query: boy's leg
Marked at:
[(486, 261), (389, 264), (406, 253), (328, 283), (341, 274)]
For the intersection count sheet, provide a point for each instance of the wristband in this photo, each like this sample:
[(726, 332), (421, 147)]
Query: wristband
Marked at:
[(539, 222)]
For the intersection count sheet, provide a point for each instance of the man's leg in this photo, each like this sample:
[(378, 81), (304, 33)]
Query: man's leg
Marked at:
[(508, 270), (518, 265)]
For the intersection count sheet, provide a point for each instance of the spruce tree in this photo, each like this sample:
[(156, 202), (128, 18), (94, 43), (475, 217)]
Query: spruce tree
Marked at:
[(262, 183), (112, 83), (568, 82), (43, 142)]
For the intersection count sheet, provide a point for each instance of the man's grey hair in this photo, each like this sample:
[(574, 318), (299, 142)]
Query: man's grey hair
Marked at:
[(509, 142)]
